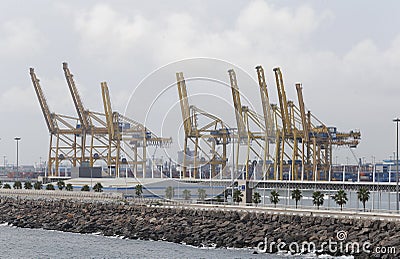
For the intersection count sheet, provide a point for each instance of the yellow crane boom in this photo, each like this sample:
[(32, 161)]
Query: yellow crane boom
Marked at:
[(82, 114), (107, 109), (283, 104), (48, 116), (242, 132), (268, 117), (184, 103), (302, 111)]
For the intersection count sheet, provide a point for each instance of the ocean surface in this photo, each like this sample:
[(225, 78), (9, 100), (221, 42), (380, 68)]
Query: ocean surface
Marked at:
[(39, 243)]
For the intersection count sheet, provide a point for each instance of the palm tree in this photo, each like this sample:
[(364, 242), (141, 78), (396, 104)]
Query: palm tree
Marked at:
[(60, 185), (139, 190), (50, 187), (274, 198), (6, 186), (28, 185), (363, 195), (202, 194), (340, 198), (227, 192), (69, 187), (98, 187), (256, 198), (237, 196), (17, 185), (186, 194), (318, 198), (296, 195), (169, 192), (38, 185), (85, 188)]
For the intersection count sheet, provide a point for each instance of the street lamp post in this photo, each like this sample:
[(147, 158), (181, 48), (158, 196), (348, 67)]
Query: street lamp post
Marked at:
[(397, 163), (17, 139), (152, 166), (233, 173), (233, 154), (91, 178)]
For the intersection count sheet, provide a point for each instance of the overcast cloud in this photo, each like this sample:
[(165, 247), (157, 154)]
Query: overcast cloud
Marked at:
[(347, 55)]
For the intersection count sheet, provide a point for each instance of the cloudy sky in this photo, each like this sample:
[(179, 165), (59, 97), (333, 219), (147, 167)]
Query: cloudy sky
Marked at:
[(345, 53)]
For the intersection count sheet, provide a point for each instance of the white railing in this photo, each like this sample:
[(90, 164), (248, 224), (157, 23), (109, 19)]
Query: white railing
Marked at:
[(61, 194)]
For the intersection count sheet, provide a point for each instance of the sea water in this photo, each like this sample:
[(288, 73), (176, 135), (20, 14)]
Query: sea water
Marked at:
[(38, 243)]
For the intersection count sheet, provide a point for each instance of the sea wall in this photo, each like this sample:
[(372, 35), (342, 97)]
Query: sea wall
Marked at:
[(199, 227)]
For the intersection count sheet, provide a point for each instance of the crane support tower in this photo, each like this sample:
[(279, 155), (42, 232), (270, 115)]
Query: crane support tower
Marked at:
[(252, 133), (269, 121), (205, 139), (63, 142)]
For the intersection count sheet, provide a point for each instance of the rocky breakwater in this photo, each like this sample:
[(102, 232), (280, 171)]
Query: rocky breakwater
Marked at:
[(206, 227)]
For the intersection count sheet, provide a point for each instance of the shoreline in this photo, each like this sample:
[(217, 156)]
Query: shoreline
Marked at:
[(248, 250), (194, 227), (37, 243)]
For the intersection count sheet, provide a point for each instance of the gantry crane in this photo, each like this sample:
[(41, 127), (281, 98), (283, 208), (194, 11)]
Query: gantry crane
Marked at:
[(82, 113), (269, 122), (213, 134), (316, 155), (114, 138), (304, 146), (63, 134), (132, 134), (256, 141), (307, 165), (304, 140), (319, 140), (112, 126), (107, 136), (286, 134), (91, 124)]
